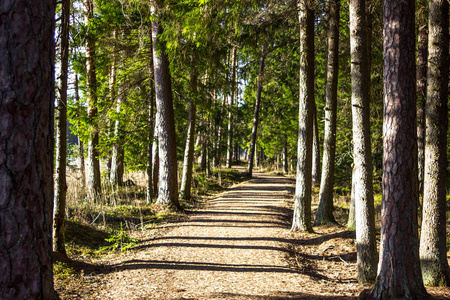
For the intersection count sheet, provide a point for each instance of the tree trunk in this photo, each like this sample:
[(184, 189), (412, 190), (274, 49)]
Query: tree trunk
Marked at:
[(421, 89), (364, 206), (168, 185), (433, 251), (155, 157), (80, 142), (399, 275), (93, 166), (302, 205), (185, 191), (315, 179), (251, 154), (59, 210), (151, 126), (324, 213), (230, 113), (27, 95), (285, 156)]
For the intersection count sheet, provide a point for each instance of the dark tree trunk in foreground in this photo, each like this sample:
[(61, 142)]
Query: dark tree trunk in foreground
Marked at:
[(251, 154), (433, 251), (93, 176), (168, 185), (302, 206), (364, 206), (185, 190), (324, 213), (61, 143), (421, 89), (399, 275), (26, 149)]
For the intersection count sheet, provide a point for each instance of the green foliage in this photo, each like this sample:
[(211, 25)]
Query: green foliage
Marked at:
[(119, 240)]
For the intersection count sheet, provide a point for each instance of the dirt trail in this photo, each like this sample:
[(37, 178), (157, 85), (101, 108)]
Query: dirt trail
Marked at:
[(234, 248)]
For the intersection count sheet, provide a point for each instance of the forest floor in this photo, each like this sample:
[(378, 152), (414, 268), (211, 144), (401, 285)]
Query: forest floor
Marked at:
[(237, 245)]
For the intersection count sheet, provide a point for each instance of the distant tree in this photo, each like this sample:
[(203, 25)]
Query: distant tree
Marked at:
[(230, 112), (93, 164), (252, 150), (26, 148), (60, 135), (168, 185), (188, 162), (324, 213), (302, 206), (433, 250), (399, 275)]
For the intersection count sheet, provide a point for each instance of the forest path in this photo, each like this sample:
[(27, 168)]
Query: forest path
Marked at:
[(234, 248)]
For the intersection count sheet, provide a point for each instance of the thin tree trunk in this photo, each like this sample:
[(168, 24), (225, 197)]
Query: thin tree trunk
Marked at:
[(399, 275), (421, 88), (93, 176), (433, 251), (230, 113), (285, 156), (185, 190), (27, 94), (316, 150), (302, 200), (324, 214), (168, 185), (151, 126), (80, 142), (251, 155), (59, 210), (155, 157)]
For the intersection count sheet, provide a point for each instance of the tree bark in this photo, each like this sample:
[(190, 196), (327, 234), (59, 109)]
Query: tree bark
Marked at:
[(27, 94), (59, 210), (364, 206), (230, 113), (93, 166), (421, 90), (185, 190), (302, 200), (399, 275), (315, 179), (251, 154), (168, 185), (324, 213), (351, 222), (433, 251), (151, 126)]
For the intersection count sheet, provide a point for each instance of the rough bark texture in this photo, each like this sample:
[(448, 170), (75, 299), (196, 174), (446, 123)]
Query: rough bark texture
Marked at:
[(316, 150), (421, 89), (168, 185), (93, 163), (230, 112), (364, 206), (185, 190), (433, 252), (324, 213), (302, 206), (26, 148), (151, 126), (251, 154), (399, 275), (60, 142)]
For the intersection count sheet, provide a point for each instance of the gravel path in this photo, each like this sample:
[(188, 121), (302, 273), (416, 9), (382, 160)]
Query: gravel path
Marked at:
[(234, 248)]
